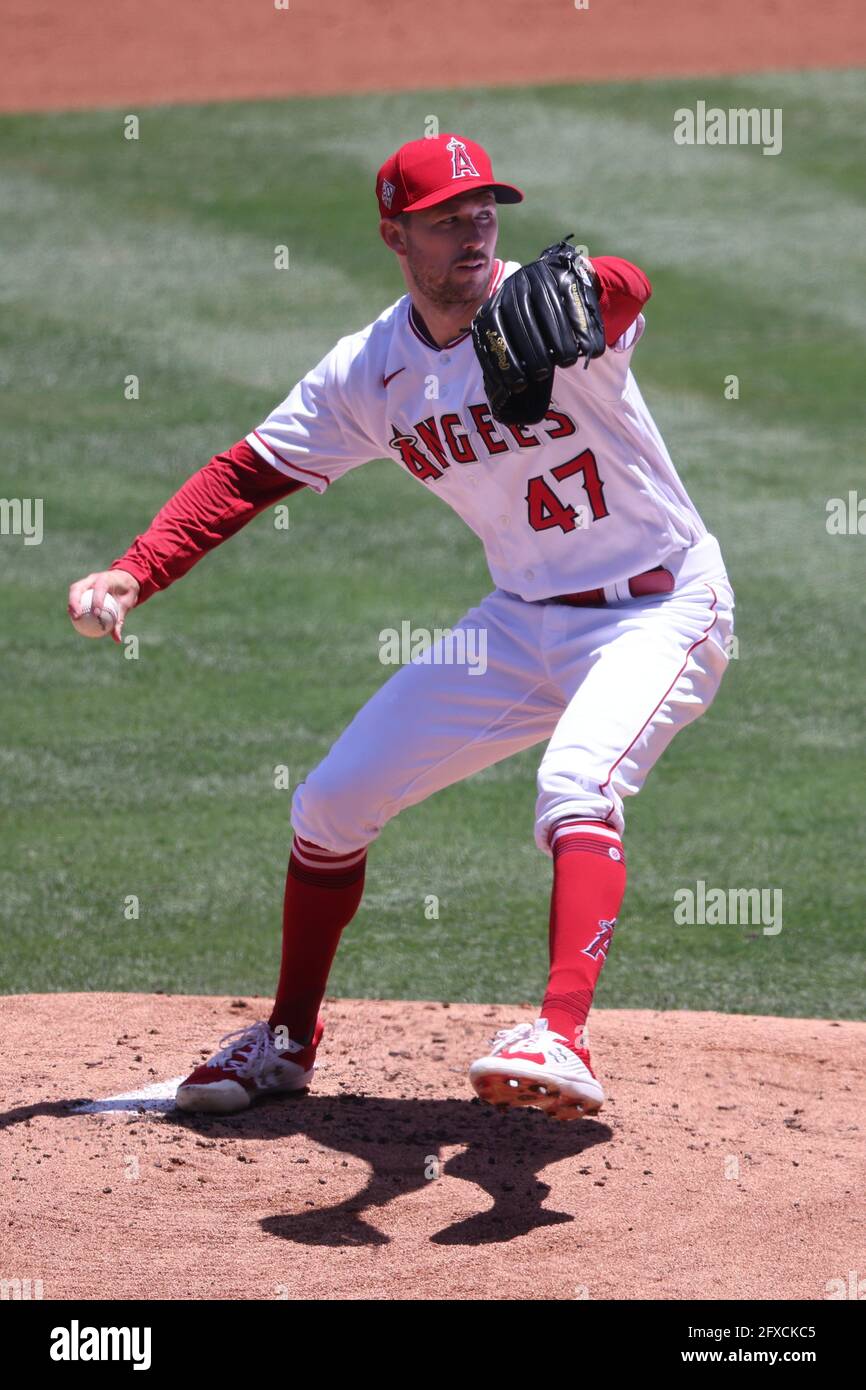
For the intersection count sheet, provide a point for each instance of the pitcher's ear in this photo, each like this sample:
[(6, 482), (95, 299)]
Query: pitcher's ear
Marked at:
[(393, 232)]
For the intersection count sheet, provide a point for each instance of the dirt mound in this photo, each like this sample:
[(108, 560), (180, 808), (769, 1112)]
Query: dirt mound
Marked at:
[(727, 1162)]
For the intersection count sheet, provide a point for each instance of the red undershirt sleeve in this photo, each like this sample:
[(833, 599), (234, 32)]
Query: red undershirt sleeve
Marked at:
[(624, 290), (210, 506)]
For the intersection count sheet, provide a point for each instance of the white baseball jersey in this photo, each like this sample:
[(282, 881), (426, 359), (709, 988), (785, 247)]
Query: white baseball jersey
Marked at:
[(586, 498)]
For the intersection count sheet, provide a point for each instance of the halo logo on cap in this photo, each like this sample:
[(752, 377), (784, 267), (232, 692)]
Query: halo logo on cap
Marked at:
[(425, 172), (461, 165)]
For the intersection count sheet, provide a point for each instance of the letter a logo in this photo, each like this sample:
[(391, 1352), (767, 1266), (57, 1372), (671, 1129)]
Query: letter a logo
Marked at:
[(601, 941), (461, 165)]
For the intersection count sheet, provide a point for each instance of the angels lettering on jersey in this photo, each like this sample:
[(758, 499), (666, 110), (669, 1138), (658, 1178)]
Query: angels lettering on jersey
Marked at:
[(577, 501)]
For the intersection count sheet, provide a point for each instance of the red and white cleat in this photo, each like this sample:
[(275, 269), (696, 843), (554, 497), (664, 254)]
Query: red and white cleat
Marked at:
[(251, 1062), (529, 1065)]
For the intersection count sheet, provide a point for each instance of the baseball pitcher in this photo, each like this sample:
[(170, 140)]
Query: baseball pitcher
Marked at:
[(507, 391)]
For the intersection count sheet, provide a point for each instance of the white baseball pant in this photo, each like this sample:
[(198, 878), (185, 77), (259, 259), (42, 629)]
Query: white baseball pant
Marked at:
[(608, 687)]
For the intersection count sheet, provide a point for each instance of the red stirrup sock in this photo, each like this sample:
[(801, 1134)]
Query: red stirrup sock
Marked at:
[(323, 891), (588, 889)]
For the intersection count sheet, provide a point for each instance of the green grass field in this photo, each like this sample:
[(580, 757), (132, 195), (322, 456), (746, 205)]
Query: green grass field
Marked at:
[(155, 777)]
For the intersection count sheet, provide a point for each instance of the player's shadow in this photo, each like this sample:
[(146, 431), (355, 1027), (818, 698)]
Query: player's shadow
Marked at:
[(57, 1109), (400, 1141)]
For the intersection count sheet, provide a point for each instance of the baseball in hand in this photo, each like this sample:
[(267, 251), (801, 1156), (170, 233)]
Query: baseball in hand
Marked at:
[(88, 624)]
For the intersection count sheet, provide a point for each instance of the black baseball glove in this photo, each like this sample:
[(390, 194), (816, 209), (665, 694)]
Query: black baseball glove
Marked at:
[(544, 316)]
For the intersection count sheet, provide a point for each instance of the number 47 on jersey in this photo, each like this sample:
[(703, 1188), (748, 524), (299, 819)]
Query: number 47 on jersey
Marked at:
[(546, 509)]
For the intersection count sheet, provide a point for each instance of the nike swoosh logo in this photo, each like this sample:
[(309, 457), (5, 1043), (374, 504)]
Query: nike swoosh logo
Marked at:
[(386, 379)]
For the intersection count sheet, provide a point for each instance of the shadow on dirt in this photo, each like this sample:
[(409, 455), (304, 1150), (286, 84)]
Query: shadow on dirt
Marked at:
[(400, 1141)]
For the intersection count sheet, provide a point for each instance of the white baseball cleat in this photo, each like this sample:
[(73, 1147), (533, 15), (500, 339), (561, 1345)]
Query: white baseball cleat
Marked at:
[(251, 1062), (530, 1065)]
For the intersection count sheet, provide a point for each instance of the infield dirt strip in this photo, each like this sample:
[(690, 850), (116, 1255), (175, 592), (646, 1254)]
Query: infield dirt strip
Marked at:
[(727, 1162), (118, 52)]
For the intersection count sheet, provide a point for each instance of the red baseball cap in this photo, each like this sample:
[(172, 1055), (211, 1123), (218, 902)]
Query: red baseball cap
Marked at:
[(425, 172)]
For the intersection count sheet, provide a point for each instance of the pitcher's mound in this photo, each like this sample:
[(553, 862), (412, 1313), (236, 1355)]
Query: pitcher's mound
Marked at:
[(726, 1162)]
